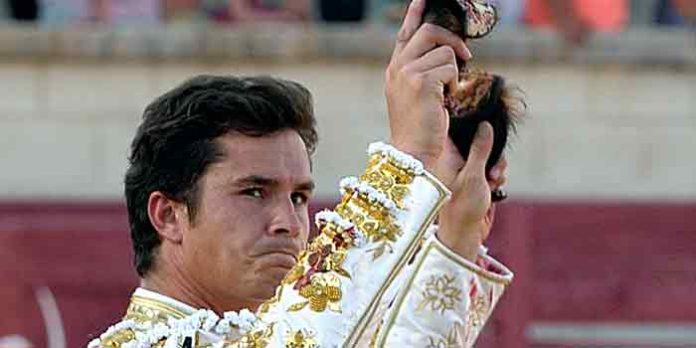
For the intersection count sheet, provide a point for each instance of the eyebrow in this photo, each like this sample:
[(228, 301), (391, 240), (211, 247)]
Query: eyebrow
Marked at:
[(264, 181)]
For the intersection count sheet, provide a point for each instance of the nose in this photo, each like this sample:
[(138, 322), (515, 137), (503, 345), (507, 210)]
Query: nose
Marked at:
[(286, 219)]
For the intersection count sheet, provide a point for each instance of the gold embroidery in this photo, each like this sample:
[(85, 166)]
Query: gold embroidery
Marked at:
[(441, 294), (143, 310), (385, 176), (314, 276), (377, 225), (117, 339), (367, 316), (322, 292), (254, 339), (301, 339), (452, 340)]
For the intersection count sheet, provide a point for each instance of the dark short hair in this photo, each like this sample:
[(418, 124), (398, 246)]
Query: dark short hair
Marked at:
[(175, 143)]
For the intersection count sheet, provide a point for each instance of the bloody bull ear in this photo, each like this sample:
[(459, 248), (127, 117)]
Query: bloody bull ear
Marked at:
[(470, 19), (479, 96), (484, 97)]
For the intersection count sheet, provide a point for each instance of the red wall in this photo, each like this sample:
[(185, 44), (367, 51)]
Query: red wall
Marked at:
[(575, 262)]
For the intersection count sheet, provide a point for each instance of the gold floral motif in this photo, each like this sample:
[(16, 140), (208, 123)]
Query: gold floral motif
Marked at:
[(315, 275), (441, 294), (254, 339), (376, 225), (334, 263), (301, 339), (453, 339), (381, 162), (322, 292), (389, 179)]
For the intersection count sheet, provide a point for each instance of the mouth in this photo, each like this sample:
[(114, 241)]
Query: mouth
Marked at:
[(279, 259)]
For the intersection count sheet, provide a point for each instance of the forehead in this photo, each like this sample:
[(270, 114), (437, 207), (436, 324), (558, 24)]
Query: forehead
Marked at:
[(282, 156)]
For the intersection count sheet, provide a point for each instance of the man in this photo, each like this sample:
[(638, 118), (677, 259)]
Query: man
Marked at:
[(217, 193), (578, 19), (253, 10)]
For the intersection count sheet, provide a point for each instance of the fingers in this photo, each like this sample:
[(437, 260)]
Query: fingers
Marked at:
[(449, 164), (490, 215), (480, 149), (429, 36), (443, 55), (497, 178), (438, 65), (445, 75), (414, 16)]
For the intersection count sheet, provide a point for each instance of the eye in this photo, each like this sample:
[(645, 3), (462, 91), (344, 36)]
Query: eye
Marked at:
[(299, 198), (253, 192)]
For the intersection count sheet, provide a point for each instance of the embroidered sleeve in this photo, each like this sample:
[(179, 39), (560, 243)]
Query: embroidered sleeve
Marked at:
[(445, 301)]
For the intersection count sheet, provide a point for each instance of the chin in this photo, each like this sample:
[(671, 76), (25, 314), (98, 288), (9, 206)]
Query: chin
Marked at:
[(265, 292), (270, 281)]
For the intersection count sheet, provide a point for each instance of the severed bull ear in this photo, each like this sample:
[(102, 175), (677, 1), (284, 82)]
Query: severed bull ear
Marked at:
[(484, 97), (470, 19), (480, 96)]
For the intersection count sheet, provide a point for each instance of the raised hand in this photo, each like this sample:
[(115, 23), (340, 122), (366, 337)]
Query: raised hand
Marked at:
[(423, 63)]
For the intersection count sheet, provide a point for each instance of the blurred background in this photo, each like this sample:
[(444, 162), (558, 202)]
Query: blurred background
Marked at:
[(600, 227)]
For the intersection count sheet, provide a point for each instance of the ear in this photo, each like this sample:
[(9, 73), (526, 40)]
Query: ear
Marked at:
[(169, 217)]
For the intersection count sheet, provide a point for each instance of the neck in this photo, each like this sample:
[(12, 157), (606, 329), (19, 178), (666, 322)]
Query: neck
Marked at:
[(178, 287), (173, 287)]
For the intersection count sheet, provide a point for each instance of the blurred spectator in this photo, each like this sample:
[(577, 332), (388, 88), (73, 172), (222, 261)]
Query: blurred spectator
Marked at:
[(258, 10), (687, 8), (110, 12), (667, 14), (643, 12), (182, 10), (24, 10), (58, 13), (675, 12), (342, 10), (131, 12), (510, 11), (578, 18)]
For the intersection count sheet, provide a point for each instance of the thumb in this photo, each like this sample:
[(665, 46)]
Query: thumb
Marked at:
[(481, 148)]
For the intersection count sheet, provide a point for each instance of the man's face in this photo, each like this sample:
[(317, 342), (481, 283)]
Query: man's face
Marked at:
[(252, 219)]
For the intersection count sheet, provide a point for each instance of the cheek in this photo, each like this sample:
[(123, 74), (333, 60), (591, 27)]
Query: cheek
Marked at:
[(222, 236), (305, 220)]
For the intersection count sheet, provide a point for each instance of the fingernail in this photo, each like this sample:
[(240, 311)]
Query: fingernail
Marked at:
[(466, 52), (495, 174)]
